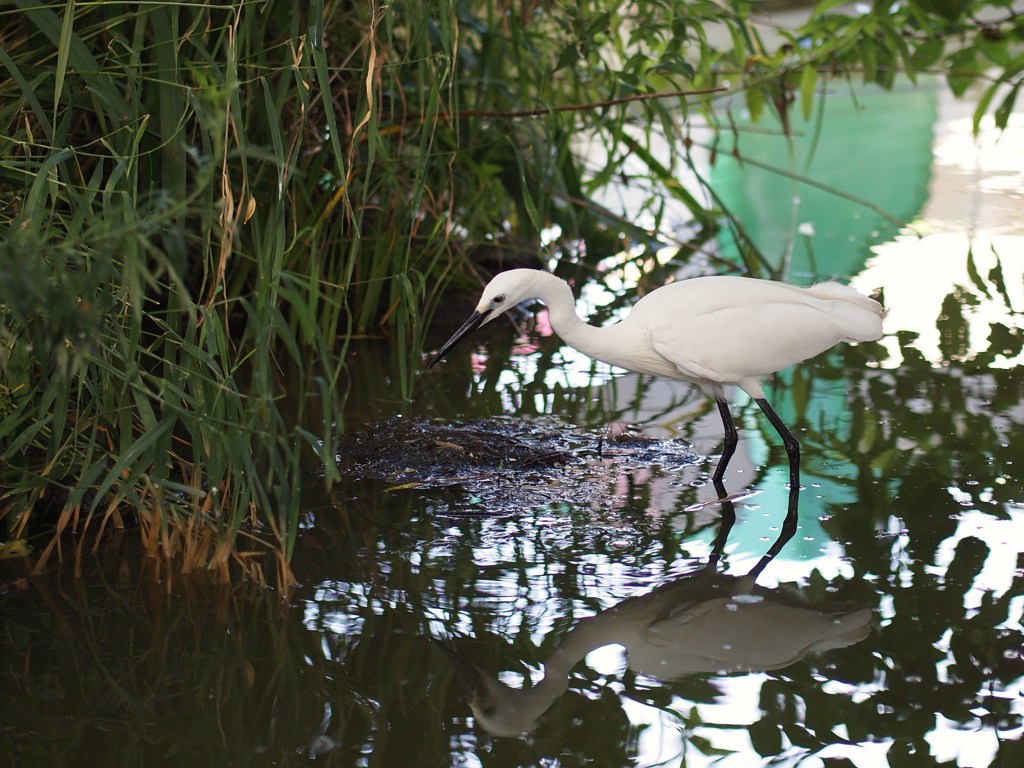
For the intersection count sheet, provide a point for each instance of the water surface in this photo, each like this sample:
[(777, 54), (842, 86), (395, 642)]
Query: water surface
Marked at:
[(591, 612)]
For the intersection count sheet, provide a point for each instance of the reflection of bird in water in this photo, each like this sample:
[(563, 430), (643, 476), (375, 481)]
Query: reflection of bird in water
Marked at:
[(703, 622), (712, 331)]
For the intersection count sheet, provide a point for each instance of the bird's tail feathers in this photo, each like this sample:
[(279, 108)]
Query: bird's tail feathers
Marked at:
[(862, 316), (839, 292)]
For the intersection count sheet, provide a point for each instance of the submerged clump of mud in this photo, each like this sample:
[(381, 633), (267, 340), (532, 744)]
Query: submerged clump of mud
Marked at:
[(501, 466)]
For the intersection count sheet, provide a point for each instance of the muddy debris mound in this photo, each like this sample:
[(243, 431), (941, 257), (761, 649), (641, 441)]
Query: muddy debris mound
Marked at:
[(423, 450), (501, 465)]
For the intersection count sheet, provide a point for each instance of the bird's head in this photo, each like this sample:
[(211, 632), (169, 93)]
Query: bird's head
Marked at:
[(505, 291), (499, 708)]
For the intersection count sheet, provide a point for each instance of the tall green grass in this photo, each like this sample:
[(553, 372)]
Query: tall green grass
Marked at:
[(198, 197), (202, 203), (160, 268)]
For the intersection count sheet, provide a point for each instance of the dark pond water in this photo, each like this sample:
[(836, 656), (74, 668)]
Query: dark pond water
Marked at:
[(590, 609)]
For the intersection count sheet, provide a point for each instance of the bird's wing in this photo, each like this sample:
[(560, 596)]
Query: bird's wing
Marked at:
[(734, 344)]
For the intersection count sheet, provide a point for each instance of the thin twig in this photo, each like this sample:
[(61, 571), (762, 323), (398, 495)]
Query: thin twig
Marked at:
[(538, 111)]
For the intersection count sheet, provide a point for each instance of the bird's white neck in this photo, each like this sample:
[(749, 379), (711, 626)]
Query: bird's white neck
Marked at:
[(573, 330)]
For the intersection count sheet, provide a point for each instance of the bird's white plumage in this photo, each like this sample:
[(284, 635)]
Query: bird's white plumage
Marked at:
[(726, 330), (713, 331)]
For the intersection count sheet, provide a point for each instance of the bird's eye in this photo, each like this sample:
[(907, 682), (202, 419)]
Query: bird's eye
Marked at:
[(498, 299)]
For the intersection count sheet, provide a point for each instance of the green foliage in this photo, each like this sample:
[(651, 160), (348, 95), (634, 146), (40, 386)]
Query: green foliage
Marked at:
[(197, 198), (153, 202)]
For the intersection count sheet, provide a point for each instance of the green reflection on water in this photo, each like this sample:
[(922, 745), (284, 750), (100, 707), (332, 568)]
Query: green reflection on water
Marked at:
[(873, 146)]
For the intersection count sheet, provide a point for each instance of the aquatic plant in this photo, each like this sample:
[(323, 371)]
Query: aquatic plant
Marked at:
[(201, 204)]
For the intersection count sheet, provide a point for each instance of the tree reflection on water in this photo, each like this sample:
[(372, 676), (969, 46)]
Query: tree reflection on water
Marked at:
[(912, 515), (922, 512)]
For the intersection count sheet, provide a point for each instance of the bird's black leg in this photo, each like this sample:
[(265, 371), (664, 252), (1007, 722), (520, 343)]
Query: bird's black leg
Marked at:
[(728, 520), (731, 439), (792, 446), (788, 529)]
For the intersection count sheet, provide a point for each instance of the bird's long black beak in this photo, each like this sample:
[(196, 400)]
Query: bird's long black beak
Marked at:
[(474, 322)]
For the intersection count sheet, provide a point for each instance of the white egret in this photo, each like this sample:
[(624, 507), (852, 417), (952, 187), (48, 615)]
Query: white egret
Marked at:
[(712, 331)]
